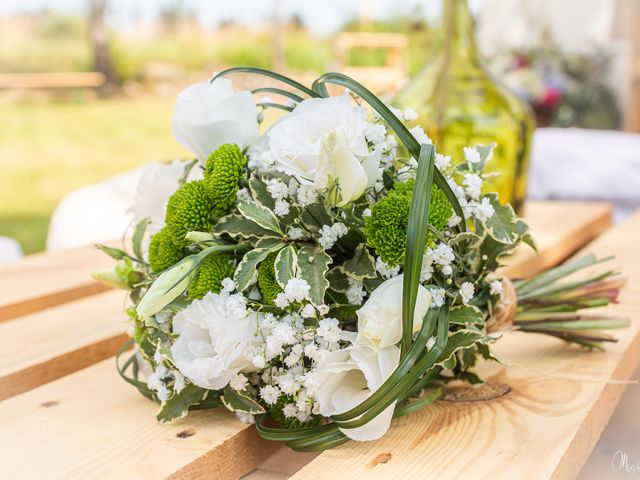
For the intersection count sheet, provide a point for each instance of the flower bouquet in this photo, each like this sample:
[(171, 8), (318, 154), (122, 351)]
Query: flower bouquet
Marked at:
[(329, 273)]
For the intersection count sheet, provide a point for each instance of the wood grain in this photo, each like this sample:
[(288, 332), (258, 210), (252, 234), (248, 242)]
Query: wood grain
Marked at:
[(47, 345), (544, 429), (44, 280), (92, 425)]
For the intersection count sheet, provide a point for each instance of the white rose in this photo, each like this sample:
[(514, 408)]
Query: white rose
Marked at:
[(345, 378), (208, 115), (208, 352), (322, 143), (380, 318), (158, 182)]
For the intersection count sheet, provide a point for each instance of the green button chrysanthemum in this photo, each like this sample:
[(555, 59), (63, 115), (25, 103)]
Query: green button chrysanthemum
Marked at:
[(267, 282), (163, 252), (188, 210), (386, 228), (223, 173), (213, 270)]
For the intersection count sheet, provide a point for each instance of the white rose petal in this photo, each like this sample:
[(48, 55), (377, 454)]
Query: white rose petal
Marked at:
[(345, 378), (207, 351), (208, 115), (322, 143)]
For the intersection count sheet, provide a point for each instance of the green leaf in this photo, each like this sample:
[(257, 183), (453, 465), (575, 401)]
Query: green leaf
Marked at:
[(261, 215), (259, 191), (459, 340), (138, 235), (313, 264), (502, 224), (315, 216), (463, 315), (416, 239), (246, 271), (285, 265), (362, 265), (338, 280), (238, 402), (177, 406), (236, 225), (115, 253)]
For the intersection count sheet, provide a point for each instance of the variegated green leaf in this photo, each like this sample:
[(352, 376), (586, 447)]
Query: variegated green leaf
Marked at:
[(285, 265), (238, 226), (459, 340), (313, 263), (238, 402), (502, 224), (362, 265), (178, 405), (261, 215), (246, 271), (463, 315)]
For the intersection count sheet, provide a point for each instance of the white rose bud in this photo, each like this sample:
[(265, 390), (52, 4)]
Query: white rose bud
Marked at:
[(167, 288), (380, 318)]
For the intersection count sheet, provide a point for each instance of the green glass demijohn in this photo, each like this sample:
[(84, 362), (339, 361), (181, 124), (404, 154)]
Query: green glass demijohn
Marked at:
[(460, 104)]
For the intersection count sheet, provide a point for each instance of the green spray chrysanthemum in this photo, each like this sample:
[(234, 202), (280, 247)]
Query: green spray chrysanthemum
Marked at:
[(386, 228), (223, 173), (267, 282), (163, 252), (188, 210), (213, 270)]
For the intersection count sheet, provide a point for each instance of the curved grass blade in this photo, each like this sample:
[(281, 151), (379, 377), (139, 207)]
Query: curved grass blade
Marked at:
[(278, 91), (416, 239), (266, 73)]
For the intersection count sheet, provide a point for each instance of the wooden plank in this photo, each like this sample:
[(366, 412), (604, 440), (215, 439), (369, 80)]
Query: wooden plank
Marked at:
[(44, 346), (560, 228), (91, 424), (43, 280), (560, 402)]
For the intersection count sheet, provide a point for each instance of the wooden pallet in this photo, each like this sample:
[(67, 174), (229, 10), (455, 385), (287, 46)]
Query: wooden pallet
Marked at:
[(90, 424)]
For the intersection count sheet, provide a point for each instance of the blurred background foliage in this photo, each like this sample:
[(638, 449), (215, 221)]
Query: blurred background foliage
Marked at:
[(56, 141)]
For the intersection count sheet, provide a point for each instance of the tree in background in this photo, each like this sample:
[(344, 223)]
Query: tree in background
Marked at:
[(100, 41)]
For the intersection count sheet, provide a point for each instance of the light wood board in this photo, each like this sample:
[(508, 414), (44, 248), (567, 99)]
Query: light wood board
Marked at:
[(544, 429), (46, 279), (47, 345), (560, 229), (93, 425)]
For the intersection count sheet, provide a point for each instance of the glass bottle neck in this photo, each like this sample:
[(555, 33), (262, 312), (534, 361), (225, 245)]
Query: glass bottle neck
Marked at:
[(457, 36)]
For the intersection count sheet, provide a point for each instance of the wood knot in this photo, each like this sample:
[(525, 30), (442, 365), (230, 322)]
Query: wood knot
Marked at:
[(481, 393), (189, 432), (381, 458), (50, 403)]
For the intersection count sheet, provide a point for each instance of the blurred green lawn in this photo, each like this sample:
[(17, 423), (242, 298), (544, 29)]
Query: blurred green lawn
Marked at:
[(49, 149)]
